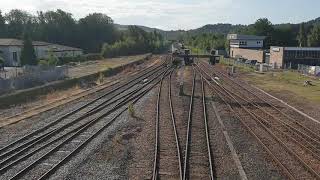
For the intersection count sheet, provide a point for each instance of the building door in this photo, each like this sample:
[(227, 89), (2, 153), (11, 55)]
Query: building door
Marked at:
[(14, 56)]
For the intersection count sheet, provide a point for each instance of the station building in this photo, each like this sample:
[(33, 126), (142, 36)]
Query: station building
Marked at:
[(290, 57), (247, 46)]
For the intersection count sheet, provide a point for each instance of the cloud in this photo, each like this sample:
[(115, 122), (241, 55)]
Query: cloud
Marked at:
[(165, 14)]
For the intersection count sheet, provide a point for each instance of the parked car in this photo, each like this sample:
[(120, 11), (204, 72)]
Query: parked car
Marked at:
[(242, 60), (251, 62)]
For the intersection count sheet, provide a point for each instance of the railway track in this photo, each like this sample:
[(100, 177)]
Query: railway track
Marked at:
[(86, 110), (40, 153), (5, 121), (197, 161), (298, 158), (167, 156)]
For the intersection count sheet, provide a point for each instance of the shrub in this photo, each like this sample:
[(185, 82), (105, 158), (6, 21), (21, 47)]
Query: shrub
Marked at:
[(93, 56), (66, 60), (131, 110), (101, 78), (1, 60), (43, 62)]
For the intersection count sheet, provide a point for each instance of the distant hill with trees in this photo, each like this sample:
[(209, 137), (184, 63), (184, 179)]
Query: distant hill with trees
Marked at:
[(97, 32), (224, 29), (90, 33)]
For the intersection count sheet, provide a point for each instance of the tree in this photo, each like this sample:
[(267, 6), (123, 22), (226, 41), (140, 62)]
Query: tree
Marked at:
[(28, 56), (3, 28), (52, 59), (96, 29), (58, 27), (17, 19), (262, 27), (302, 37), (314, 37), (1, 61), (284, 36)]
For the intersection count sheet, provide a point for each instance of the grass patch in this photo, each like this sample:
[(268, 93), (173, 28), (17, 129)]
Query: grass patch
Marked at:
[(131, 110), (287, 81)]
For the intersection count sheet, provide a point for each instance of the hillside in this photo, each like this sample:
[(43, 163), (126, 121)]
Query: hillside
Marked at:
[(145, 28), (218, 28)]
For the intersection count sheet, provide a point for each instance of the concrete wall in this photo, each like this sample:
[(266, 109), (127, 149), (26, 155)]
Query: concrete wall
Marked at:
[(250, 54), (276, 56)]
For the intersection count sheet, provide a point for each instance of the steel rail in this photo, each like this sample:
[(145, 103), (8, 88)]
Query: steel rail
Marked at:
[(134, 99), (254, 116), (207, 129), (185, 165), (3, 169), (276, 159), (288, 127), (50, 134), (175, 128), (317, 141), (156, 151), (92, 111)]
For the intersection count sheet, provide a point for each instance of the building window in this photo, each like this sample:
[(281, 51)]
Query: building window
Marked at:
[(14, 56), (243, 43)]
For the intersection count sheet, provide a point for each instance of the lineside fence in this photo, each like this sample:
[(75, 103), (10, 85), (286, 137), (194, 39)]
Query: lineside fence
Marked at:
[(309, 70)]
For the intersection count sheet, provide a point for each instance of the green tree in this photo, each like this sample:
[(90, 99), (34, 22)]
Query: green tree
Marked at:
[(58, 27), (106, 50), (284, 36), (302, 37), (314, 37), (17, 19), (96, 29), (28, 56), (52, 59), (1, 61), (3, 28), (263, 27)]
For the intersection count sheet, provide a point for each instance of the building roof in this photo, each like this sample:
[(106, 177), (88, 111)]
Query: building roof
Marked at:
[(276, 48), (244, 37), (55, 47), (18, 42), (302, 48)]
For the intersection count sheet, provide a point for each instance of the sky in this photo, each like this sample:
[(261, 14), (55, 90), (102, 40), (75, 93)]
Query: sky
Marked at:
[(178, 14)]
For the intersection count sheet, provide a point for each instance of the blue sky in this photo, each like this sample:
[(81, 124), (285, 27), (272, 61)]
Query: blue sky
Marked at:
[(178, 14)]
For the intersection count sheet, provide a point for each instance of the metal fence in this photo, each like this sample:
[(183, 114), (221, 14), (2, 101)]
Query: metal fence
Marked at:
[(309, 70), (29, 77)]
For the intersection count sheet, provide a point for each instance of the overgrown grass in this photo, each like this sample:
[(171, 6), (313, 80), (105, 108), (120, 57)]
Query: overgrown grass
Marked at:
[(131, 110), (287, 81)]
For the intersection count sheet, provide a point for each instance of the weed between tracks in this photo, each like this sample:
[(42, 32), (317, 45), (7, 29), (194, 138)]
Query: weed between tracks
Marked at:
[(131, 110)]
